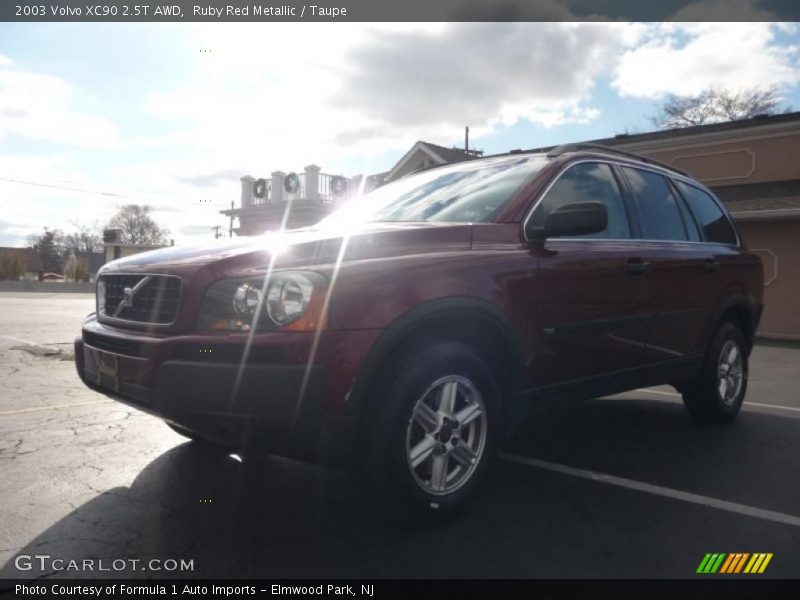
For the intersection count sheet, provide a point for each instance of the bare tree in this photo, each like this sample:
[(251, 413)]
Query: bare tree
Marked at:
[(137, 226), (716, 105), (84, 238)]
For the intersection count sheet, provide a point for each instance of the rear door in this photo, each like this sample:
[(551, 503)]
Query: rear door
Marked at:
[(724, 262), (592, 295), (679, 267)]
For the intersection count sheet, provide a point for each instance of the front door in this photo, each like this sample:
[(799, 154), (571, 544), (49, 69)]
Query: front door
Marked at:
[(592, 294)]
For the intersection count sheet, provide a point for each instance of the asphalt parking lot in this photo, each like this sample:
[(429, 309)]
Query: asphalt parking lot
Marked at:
[(627, 486)]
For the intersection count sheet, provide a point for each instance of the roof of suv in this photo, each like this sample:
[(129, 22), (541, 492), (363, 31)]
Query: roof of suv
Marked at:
[(587, 148)]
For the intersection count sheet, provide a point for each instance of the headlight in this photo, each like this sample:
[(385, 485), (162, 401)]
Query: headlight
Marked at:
[(246, 299), (287, 300), (292, 300)]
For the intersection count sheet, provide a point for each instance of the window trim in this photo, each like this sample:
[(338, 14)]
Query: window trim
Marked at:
[(616, 166), (621, 186), (686, 212), (718, 204)]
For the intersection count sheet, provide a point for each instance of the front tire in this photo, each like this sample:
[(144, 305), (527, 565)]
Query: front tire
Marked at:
[(425, 446), (716, 395)]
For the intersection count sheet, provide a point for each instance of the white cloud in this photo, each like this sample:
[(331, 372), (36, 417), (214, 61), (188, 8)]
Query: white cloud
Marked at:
[(281, 96), (553, 116), (473, 73), (686, 58), (39, 107)]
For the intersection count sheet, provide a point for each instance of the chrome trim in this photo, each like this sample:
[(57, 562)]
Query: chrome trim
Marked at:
[(125, 322), (612, 161), (639, 240)]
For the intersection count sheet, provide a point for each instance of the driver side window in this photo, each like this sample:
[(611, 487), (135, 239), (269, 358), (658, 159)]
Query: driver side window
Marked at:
[(587, 182)]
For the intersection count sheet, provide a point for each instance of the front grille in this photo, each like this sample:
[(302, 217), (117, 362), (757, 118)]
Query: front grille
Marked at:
[(118, 345), (149, 298)]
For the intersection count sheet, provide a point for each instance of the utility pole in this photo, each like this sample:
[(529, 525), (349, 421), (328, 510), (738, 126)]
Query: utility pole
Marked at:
[(466, 139), (217, 234), (230, 226)]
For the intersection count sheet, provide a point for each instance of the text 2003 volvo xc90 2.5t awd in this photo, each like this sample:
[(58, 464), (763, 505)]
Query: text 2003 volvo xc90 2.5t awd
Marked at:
[(401, 333)]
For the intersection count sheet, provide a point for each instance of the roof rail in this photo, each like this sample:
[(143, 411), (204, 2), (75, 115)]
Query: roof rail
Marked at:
[(564, 148)]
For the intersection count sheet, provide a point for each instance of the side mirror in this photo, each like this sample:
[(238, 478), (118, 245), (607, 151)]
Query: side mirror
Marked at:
[(575, 218)]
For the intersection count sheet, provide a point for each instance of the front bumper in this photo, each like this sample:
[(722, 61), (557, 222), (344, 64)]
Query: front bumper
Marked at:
[(275, 408)]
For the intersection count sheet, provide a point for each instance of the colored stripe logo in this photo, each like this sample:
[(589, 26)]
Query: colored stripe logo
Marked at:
[(736, 562)]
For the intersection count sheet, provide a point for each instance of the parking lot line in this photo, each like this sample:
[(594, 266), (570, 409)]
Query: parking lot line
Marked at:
[(742, 509), (745, 405), (17, 411)]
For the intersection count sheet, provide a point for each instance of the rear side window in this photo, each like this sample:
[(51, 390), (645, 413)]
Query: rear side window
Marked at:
[(712, 220), (657, 205), (587, 182)]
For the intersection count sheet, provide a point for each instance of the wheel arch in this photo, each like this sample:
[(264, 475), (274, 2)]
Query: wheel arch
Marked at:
[(739, 310), (478, 323)]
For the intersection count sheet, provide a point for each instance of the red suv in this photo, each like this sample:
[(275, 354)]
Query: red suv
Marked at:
[(403, 332)]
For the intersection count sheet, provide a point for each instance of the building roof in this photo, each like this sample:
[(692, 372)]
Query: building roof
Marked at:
[(448, 155), (786, 207), (634, 138), (756, 121), (438, 154), (770, 198)]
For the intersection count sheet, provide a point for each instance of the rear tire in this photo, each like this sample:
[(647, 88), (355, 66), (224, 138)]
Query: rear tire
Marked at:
[(425, 447), (716, 395)]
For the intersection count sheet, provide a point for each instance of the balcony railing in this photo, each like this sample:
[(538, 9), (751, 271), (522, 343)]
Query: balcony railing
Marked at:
[(313, 187)]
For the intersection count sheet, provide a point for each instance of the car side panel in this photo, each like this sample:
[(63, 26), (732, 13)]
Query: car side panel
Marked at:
[(593, 312), (683, 291)]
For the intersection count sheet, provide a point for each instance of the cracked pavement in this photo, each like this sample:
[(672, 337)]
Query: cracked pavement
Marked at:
[(85, 477)]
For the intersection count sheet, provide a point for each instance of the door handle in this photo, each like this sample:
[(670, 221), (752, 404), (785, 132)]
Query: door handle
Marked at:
[(637, 266), (711, 265)]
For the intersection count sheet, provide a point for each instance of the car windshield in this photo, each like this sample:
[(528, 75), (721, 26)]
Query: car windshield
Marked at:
[(468, 192)]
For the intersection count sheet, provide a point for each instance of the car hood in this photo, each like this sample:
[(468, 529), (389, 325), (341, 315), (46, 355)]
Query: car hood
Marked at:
[(301, 248)]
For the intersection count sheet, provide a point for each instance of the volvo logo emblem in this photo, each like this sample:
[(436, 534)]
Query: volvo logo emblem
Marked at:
[(128, 293), (127, 297)]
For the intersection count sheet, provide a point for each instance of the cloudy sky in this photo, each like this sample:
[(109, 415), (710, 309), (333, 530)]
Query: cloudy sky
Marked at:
[(94, 116)]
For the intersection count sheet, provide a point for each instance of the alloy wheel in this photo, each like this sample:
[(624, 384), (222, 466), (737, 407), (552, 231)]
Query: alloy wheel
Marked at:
[(730, 372), (446, 435)]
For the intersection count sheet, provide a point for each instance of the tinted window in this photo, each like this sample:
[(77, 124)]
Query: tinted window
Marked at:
[(714, 223), (658, 208), (587, 182)]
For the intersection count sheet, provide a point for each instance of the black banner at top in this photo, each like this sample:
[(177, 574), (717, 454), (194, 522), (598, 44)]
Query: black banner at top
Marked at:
[(396, 10)]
